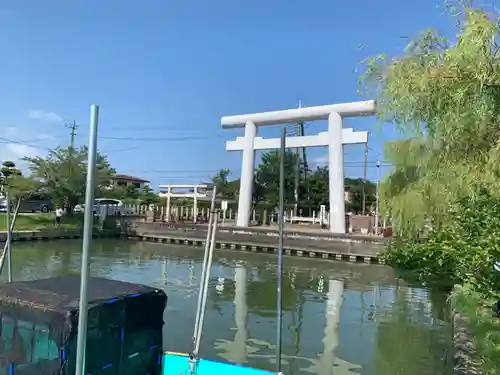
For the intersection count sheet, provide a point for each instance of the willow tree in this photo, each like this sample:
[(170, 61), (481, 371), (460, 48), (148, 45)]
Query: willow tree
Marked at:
[(444, 96)]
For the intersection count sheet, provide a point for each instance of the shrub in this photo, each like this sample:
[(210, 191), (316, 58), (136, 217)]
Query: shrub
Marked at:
[(461, 251)]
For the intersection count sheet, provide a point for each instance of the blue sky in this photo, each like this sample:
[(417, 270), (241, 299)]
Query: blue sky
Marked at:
[(164, 72)]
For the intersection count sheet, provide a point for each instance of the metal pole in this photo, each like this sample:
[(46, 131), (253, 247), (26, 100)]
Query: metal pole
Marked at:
[(377, 198), (364, 178), (204, 267), (9, 237), (87, 239), (279, 288), (12, 223), (297, 170), (205, 290)]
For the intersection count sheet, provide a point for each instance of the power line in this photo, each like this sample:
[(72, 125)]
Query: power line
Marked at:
[(158, 139), (6, 140), (29, 144), (121, 149), (348, 164), (182, 170), (161, 129)]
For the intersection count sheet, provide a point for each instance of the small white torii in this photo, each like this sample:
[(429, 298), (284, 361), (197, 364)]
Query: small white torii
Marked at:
[(195, 195)]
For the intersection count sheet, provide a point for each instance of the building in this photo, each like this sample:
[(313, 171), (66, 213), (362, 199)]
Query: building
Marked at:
[(123, 180)]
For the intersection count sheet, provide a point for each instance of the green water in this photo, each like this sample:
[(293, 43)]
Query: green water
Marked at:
[(339, 318)]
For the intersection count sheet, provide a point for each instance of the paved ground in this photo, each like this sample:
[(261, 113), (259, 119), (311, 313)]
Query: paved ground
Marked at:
[(339, 246), (290, 230)]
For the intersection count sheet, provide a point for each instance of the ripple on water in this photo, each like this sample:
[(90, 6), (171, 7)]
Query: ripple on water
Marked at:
[(338, 318)]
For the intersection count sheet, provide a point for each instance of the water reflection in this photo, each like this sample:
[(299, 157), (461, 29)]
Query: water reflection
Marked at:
[(331, 338), (338, 318)]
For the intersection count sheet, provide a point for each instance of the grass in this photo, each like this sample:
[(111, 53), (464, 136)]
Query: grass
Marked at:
[(41, 221), (483, 327)]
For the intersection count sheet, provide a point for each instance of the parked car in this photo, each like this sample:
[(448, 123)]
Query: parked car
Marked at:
[(36, 203), (3, 204), (114, 207)]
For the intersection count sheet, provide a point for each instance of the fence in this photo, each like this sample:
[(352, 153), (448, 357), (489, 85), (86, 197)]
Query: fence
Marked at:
[(158, 213)]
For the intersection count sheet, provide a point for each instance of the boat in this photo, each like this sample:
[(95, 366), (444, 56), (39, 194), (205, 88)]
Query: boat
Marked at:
[(189, 363), (177, 363), (44, 324)]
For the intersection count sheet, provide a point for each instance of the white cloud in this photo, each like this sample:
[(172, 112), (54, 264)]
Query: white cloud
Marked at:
[(19, 142), (320, 160), (44, 116), (13, 149), (21, 150), (15, 152), (11, 131), (45, 137)]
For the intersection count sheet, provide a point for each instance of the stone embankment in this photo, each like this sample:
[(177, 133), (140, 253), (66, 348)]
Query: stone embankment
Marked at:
[(465, 358), (53, 234), (309, 243)]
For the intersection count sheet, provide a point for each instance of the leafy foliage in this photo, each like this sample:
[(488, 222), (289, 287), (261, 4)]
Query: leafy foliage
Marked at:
[(19, 186), (130, 194), (484, 327), (311, 194), (225, 187), (318, 187), (446, 99), (63, 174), (267, 176), (147, 196), (461, 251)]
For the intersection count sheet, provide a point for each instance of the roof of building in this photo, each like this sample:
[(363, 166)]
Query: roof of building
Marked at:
[(126, 177)]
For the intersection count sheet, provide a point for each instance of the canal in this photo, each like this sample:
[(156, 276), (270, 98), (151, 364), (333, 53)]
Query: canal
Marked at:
[(339, 318)]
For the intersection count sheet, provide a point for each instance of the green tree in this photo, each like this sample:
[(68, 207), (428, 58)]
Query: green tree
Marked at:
[(266, 180), (129, 193), (147, 195), (63, 172), (266, 185), (357, 187), (9, 175), (267, 177), (226, 188), (221, 182), (319, 193), (318, 187), (445, 98), (19, 186)]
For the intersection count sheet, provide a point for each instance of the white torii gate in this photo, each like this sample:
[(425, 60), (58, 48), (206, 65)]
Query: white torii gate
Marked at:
[(334, 138), (195, 195)]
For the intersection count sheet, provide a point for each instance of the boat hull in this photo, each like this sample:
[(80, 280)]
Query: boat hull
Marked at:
[(178, 363)]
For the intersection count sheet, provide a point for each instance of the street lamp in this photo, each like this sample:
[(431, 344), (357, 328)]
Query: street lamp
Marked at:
[(8, 169), (377, 201)]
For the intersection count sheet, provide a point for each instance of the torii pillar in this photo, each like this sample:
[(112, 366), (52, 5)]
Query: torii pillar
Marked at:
[(335, 138)]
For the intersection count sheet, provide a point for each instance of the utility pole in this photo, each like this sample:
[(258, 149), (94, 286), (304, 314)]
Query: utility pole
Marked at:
[(377, 203), (71, 152), (305, 167), (73, 128), (364, 178), (297, 168)]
